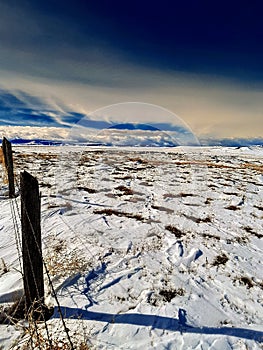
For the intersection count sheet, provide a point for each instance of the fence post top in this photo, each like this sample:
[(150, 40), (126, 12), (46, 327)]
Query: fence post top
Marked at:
[(27, 177)]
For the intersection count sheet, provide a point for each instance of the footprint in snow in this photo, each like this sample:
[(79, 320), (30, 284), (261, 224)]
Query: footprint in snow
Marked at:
[(175, 251), (192, 256), (176, 255)]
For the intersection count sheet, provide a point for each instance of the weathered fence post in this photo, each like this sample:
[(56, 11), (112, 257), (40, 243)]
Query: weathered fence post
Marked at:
[(8, 157), (31, 242)]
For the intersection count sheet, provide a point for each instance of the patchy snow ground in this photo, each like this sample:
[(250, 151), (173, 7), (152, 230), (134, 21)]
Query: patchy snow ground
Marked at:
[(147, 248)]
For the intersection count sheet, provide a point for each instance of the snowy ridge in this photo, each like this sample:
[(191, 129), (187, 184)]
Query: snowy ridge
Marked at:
[(147, 248)]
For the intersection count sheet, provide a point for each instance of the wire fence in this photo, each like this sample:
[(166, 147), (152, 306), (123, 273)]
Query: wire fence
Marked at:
[(38, 311)]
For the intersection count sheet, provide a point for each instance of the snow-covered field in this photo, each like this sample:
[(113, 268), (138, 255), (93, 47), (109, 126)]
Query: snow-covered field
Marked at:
[(147, 248)]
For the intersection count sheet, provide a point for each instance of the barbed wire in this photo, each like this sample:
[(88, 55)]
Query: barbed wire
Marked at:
[(49, 278), (17, 234), (18, 245)]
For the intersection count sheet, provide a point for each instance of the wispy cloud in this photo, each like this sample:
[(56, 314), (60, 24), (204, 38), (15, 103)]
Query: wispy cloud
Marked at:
[(33, 133), (19, 108)]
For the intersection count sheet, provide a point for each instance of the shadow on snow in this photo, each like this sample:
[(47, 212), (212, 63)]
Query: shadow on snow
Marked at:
[(158, 322)]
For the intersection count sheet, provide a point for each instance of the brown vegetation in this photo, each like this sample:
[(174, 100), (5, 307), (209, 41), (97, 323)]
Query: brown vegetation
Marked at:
[(109, 212), (160, 208), (252, 232), (208, 235), (87, 189), (174, 230), (232, 207), (220, 260), (169, 294), (125, 190), (246, 281)]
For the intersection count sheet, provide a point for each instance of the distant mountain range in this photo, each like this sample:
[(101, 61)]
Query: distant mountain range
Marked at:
[(140, 143)]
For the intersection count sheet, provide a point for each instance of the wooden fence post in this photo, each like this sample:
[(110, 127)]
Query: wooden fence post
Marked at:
[(31, 243), (8, 157)]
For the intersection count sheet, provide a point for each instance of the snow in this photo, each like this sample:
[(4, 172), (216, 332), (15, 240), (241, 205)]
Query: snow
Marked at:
[(155, 248)]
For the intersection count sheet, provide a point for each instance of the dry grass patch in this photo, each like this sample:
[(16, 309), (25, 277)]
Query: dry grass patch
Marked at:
[(138, 160), (144, 183), (125, 190), (160, 208), (184, 195), (126, 177), (164, 296), (230, 193), (47, 156), (2, 158), (242, 240), (60, 260), (86, 189), (252, 232), (205, 220), (169, 294), (232, 207), (209, 236), (220, 260), (64, 263), (208, 200), (246, 281), (258, 168), (39, 336), (2, 162), (110, 212), (198, 220), (175, 231), (179, 195), (43, 156), (136, 200)]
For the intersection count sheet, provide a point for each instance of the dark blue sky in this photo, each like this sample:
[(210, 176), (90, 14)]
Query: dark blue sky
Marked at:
[(202, 57), (198, 36)]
